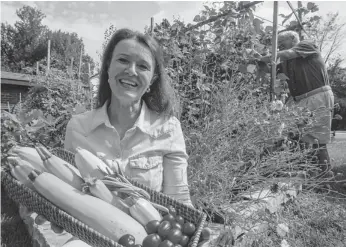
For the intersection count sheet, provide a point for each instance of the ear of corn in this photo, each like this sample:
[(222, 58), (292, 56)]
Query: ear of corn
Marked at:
[(126, 188), (143, 211), (20, 169), (110, 166), (89, 164), (30, 155), (60, 168), (160, 207), (99, 189)]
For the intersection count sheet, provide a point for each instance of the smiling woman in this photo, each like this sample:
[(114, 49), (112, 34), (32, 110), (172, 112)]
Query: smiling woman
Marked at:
[(134, 123), (160, 97)]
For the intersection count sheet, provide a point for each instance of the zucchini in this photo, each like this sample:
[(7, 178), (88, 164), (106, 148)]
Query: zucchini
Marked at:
[(92, 211)]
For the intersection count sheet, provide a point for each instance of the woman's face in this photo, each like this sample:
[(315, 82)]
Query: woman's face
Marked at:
[(131, 71)]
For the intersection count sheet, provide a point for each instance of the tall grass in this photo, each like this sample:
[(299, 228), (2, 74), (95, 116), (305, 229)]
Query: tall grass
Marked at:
[(245, 146)]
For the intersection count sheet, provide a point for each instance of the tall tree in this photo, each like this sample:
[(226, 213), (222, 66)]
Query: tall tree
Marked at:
[(329, 33), (29, 36), (337, 77), (107, 35), (26, 42), (7, 46)]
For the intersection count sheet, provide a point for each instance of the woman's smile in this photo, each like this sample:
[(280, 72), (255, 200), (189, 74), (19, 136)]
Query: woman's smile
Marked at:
[(128, 83)]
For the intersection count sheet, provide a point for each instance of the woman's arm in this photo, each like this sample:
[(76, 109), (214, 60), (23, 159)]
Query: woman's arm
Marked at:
[(175, 168)]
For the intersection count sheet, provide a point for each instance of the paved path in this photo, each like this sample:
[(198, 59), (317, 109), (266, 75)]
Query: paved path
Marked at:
[(339, 136)]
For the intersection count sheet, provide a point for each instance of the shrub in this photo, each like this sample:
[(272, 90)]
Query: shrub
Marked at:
[(43, 115)]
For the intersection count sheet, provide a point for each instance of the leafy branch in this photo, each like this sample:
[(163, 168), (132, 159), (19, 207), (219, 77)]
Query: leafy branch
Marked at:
[(231, 12)]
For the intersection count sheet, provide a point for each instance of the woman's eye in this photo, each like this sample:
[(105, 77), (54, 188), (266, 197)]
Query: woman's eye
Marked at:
[(122, 60), (143, 67)]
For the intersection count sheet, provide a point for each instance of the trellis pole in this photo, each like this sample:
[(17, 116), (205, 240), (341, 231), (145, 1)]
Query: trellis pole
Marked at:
[(48, 58), (91, 88), (80, 62), (151, 26), (274, 48), (20, 101), (300, 18)]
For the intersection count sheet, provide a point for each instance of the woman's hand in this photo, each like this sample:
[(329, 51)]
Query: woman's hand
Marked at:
[(40, 220), (204, 238)]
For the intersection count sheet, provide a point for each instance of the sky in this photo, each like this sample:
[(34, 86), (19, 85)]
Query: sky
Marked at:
[(90, 19)]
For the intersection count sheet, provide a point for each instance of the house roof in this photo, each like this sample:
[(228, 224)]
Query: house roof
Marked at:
[(16, 79)]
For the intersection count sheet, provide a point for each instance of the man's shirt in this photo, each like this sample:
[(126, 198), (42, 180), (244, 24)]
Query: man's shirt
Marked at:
[(306, 72)]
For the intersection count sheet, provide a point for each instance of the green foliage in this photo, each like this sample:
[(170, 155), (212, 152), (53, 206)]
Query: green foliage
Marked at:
[(202, 62), (26, 43), (23, 42), (43, 116), (107, 35), (235, 137), (337, 78)]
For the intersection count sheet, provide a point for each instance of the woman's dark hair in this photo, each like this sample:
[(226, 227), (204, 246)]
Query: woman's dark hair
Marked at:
[(161, 97)]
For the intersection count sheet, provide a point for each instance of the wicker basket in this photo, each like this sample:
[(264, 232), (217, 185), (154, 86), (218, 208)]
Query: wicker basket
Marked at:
[(35, 202)]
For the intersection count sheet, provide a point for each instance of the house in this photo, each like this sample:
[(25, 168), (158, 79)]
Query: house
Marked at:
[(14, 87)]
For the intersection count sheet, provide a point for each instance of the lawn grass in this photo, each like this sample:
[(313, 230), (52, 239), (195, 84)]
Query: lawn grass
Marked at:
[(312, 221)]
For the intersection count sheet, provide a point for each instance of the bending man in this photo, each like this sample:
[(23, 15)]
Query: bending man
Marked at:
[(308, 83)]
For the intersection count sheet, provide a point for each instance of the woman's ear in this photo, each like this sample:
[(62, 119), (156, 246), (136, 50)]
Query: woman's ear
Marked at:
[(155, 77)]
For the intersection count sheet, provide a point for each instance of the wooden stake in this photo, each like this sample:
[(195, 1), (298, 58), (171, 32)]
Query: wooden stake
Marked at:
[(152, 26), (300, 18), (20, 101), (90, 88), (8, 106), (274, 49), (37, 68), (48, 58), (71, 68), (80, 62), (300, 25)]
